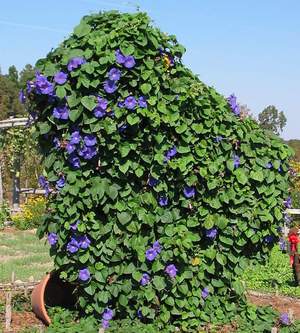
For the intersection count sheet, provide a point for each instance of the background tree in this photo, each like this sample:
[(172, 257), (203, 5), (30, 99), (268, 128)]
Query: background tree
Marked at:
[(271, 119)]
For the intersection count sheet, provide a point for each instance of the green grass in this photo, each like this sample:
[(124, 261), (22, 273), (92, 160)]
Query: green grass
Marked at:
[(23, 253), (276, 275)]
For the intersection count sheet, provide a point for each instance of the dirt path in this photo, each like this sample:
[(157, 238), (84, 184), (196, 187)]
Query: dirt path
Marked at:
[(280, 303)]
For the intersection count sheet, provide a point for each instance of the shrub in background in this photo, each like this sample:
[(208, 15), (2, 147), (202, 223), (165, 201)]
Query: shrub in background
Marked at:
[(160, 191), (31, 215), (4, 214)]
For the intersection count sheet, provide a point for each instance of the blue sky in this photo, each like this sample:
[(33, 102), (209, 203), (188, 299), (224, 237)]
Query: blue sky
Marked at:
[(248, 47)]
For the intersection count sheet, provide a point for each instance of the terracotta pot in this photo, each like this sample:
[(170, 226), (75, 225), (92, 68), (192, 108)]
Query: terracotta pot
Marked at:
[(51, 291)]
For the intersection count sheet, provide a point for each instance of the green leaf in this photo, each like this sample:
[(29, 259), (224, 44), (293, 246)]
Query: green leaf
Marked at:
[(60, 92), (124, 217), (82, 29), (241, 176), (132, 119), (145, 88), (89, 102), (44, 127), (75, 114), (257, 175), (159, 283)]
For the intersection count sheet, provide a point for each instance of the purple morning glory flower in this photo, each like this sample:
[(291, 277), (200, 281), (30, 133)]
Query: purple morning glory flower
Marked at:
[(236, 161), (145, 279), (234, 105), (156, 246), (114, 74), (61, 112), (75, 138), (22, 97), (122, 128), (105, 323), (218, 139), (73, 245), (88, 152), (171, 270), (42, 85), (163, 201), (269, 165), (83, 242), (205, 293), (287, 218), (139, 314), (90, 140), (52, 238), (288, 202), (110, 86), (189, 191), (284, 319), (75, 63), (130, 102), (107, 314), (56, 142), (151, 254), (42, 181), (129, 62), (84, 274), (211, 233), (282, 244), (102, 103), (170, 153), (74, 161), (74, 225), (99, 113), (120, 58), (121, 105), (60, 77), (60, 183), (70, 148), (269, 239), (142, 102), (29, 86), (152, 181)]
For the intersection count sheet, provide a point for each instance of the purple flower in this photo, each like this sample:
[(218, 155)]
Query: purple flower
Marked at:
[(139, 313), (42, 85), (60, 183), (163, 201), (83, 242), (287, 218), (114, 74), (282, 244), (52, 238), (205, 293), (110, 86), (145, 279), (288, 202), (156, 246), (269, 165), (152, 181), (233, 105), (70, 148), (218, 139), (88, 152), (122, 128), (170, 153), (99, 113), (142, 102), (60, 77), (74, 161), (284, 319), (171, 270), (130, 103), (44, 184), (73, 245), (56, 142), (129, 62), (189, 191), (90, 140), (151, 254), (75, 63), (101, 107), (268, 239), (120, 58), (121, 105), (211, 233), (75, 138), (61, 112), (74, 225), (236, 161), (84, 274), (105, 323), (107, 314), (22, 97), (29, 86)]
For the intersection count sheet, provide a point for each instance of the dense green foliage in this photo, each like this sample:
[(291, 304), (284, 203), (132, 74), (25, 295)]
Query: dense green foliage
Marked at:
[(185, 171), (276, 275), (272, 120)]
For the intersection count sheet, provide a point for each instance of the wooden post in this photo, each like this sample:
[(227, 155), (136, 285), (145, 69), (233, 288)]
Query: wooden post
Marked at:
[(8, 311), (16, 183)]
